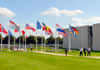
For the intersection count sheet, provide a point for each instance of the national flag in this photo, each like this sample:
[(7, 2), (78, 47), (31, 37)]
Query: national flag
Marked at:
[(28, 26), (46, 29), (2, 29), (14, 26), (60, 30), (73, 30), (9, 33), (33, 29), (38, 25), (15, 30), (23, 32)]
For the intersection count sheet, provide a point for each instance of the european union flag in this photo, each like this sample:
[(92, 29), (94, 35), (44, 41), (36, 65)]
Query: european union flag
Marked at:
[(38, 25), (9, 33)]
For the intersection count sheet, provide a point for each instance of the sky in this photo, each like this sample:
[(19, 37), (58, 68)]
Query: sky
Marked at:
[(51, 12)]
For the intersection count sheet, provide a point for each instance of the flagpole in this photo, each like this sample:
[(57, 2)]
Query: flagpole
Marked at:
[(25, 39), (36, 37), (14, 40), (82, 38), (58, 42), (69, 40), (19, 38), (1, 33), (45, 42), (42, 42), (55, 42), (9, 41)]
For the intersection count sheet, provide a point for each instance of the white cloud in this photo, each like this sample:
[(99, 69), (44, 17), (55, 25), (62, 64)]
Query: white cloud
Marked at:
[(82, 22), (6, 12), (56, 12)]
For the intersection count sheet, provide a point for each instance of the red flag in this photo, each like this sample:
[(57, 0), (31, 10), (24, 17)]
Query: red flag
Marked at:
[(4, 31), (16, 30), (23, 32), (0, 27), (33, 29)]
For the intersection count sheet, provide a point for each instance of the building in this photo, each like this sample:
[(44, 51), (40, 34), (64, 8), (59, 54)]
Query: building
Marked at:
[(96, 37), (83, 40)]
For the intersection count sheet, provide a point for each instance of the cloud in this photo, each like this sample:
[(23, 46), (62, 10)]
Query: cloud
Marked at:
[(6, 12), (82, 22), (53, 11)]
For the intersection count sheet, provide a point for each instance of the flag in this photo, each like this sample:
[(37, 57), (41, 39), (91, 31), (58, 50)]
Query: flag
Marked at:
[(9, 33), (23, 32), (13, 25), (38, 25), (2, 29), (15, 30), (60, 30), (28, 26), (33, 29), (73, 30), (46, 29)]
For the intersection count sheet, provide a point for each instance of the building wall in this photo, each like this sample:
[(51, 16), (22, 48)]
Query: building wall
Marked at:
[(96, 37), (76, 42)]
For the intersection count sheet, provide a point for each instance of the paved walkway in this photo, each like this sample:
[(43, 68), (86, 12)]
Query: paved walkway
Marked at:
[(96, 57)]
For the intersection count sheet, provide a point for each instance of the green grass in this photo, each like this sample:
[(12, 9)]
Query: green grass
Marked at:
[(37, 61)]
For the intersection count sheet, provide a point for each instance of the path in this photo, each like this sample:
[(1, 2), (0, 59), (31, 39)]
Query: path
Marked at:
[(96, 57)]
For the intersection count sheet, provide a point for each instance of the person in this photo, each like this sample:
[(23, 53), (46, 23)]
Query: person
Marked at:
[(17, 48), (31, 48), (81, 52), (89, 52), (85, 50), (66, 52)]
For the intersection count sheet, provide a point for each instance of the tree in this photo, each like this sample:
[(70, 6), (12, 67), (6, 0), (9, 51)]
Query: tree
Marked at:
[(59, 40), (0, 38), (22, 39), (39, 39), (51, 40), (5, 40), (31, 40)]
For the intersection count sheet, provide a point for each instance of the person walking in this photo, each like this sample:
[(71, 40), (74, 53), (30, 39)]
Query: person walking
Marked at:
[(85, 50), (89, 52), (31, 49), (66, 52), (81, 52)]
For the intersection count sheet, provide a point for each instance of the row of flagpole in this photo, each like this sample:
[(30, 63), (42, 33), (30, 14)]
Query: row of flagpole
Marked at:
[(56, 42)]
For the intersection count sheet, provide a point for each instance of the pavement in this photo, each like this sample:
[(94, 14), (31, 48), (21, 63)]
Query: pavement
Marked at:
[(96, 57)]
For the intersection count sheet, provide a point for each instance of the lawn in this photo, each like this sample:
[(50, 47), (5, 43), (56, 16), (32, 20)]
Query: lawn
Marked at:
[(37, 61)]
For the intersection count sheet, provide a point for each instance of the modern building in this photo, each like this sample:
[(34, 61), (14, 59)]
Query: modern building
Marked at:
[(96, 37), (83, 40)]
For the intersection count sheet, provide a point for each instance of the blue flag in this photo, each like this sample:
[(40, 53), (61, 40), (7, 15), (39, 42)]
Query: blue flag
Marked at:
[(9, 33), (38, 25)]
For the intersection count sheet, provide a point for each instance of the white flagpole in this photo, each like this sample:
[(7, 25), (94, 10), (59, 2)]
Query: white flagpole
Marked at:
[(1, 33), (25, 39), (36, 37), (9, 41), (55, 42), (82, 37), (19, 37), (42, 42), (14, 40), (25, 42), (58, 42), (69, 40)]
